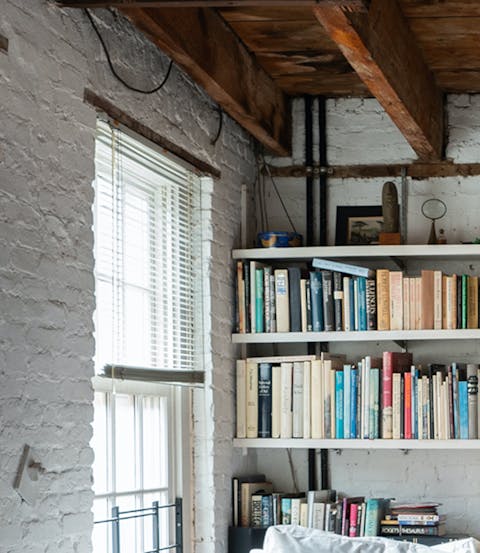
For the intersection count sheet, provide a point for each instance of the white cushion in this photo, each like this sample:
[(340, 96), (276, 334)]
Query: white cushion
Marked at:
[(296, 539)]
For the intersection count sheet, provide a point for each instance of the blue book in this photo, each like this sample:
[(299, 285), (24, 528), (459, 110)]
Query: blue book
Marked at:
[(339, 404), (267, 510), (259, 300), (316, 291), (265, 400), (346, 400), (346, 268), (352, 304), (362, 303), (353, 402), (463, 408), (286, 510)]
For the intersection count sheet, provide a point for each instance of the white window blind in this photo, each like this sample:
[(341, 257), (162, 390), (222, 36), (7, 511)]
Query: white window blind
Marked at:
[(144, 226)]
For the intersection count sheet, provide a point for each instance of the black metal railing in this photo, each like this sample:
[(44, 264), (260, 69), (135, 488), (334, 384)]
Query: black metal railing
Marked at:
[(154, 512)]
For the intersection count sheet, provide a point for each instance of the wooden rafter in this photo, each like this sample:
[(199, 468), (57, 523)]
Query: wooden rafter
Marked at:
[(381, 48), (202, 44), (356, 4)]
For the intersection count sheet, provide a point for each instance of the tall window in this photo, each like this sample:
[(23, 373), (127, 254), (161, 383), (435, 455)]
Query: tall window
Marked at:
[(146, 215)]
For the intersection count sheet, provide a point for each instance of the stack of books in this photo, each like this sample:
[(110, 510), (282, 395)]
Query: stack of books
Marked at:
[(413, 519), (344, 297)]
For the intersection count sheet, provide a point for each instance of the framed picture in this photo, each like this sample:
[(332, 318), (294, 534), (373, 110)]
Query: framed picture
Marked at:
[(358, 225)]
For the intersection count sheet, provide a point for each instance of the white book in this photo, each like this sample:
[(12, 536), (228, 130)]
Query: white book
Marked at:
[(437, 300), (367, 365), (318, 516), (286, 415), (303, 514), (362, 520), (406, 303), (252, 400), (316, 497), (296, 509), (346, 304), (282, 358), (276, 395), (316, 399), (307, 400), (297, 400), (241, 380), (282, 300)]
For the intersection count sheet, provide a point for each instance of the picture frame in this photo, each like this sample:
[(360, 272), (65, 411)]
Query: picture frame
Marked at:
[(358, 225)]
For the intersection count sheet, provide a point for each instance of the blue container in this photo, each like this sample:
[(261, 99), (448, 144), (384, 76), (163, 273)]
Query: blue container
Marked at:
[(279, 239)]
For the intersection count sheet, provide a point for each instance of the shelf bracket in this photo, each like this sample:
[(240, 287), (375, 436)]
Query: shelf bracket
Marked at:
[(401, 344), (398, 262)]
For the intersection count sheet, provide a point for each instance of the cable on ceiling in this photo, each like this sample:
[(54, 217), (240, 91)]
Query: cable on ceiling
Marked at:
[(112, 68)]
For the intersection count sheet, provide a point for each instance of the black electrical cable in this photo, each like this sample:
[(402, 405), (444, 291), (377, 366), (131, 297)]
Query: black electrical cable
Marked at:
[(220, 125), (114, 72)]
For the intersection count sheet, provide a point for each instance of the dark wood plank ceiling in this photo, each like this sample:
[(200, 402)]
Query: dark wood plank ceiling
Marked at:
[(291, 45)]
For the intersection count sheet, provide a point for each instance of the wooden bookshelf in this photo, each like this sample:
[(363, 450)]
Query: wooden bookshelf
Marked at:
[(300, 443)]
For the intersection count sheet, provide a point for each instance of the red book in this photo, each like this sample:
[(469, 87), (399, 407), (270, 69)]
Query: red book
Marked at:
[(408, 406), (393, 361), (353, 520)]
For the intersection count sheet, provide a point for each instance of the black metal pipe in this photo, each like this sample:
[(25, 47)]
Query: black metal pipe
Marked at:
[(322, 143), (309, 163)]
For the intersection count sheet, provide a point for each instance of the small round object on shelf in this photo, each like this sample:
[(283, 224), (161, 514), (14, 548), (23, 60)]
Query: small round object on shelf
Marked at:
[(279, 239)]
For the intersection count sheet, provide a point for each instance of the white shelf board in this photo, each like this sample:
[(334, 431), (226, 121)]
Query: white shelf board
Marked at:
[(360, 336), (298, 443), (458, 251)]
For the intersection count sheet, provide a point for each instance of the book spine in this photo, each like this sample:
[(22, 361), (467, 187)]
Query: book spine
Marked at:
[(240, 298), (371, 298), (346, 304), (352, 304), (267, 510), (286, 415), (352, 532), (362, 303), (396, 405), (427, 303), (338, 300), (316, 394), (286, 510), (472, 390), (437, 300), (297, 400), (353, 402), (294, 299), (252, 400), (396, 300), (347, 373), (327, 289), (282, 301), (339, 404), (383, 299), (256, 511), (241, 404), (464, 281), (387, 404), (308, 294), (320, 263), (408, 406), (264, 400), (317, 301), (375, 403), (472, 302), (267, 301), (276, 400), (273, 305), (406, 303), (463, 408), (307, 397), (248, 308), (303, 303)]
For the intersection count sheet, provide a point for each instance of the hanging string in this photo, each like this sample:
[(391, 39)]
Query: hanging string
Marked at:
[(113, 70), (267, 168)]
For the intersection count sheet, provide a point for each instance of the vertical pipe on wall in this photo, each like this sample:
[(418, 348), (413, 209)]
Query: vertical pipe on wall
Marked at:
[(309, 163), (322, 224), (322, 143), (308, 104)]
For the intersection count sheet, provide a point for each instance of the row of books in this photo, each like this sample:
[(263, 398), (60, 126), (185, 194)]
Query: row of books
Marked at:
[(256, 505), (343, 297), (328, 398)]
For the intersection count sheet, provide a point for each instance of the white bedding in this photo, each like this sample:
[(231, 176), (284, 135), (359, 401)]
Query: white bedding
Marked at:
[(296, 539)]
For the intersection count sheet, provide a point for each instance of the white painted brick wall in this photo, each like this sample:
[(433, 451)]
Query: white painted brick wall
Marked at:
[(359, 132), (46, 264)]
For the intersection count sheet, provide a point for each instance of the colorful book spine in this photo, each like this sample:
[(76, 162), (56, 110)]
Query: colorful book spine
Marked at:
[(347, 373), (463, 409), (265, 400), (362, 303), (371, 299), (328, 310), (353, 402), (339, 409)]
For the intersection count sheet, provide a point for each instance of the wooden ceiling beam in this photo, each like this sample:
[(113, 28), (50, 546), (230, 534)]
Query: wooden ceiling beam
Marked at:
[(350, 4), (382, 49), (202, 44)]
